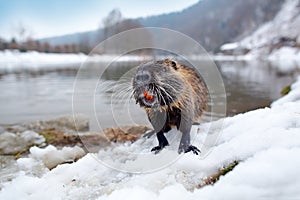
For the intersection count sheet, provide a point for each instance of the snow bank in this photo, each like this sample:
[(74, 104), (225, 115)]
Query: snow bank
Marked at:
[(15, 61), (220, 57), (13, 143), (285, 60), (265, 141), (33, 57), (229, 46), (293, 96), (51, 156)]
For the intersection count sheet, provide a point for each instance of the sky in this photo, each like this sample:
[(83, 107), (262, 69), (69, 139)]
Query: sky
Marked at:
[(46, 18)]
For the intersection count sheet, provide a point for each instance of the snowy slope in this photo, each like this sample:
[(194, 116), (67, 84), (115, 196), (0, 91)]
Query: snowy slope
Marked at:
[(265, 141), (277, 41), (285, 24)]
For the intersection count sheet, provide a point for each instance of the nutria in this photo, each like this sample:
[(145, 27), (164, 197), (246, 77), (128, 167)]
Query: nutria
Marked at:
[(172, 95)]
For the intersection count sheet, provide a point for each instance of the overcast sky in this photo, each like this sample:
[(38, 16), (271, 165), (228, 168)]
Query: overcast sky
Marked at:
[(46, 18)]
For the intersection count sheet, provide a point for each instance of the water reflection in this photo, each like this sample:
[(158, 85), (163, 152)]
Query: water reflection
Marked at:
[(251, 85)]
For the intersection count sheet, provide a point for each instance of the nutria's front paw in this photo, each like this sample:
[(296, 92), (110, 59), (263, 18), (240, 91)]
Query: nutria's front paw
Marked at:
[(189, 148), (157, 149)]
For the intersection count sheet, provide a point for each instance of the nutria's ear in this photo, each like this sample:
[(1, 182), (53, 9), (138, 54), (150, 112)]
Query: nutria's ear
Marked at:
[(174, 65)]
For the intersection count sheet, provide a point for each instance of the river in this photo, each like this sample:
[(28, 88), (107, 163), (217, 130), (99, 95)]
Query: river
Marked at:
[(41, 96)]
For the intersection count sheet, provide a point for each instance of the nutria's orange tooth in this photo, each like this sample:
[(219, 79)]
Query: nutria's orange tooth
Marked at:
[(145, 93)]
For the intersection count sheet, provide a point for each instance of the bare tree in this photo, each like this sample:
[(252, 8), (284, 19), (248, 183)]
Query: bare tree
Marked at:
[(22, 32), (112, 19)]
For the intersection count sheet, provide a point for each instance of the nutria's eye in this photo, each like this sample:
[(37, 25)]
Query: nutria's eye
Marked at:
[(174, 65)]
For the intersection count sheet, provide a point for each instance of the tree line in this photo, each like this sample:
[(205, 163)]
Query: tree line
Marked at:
[(35, 45)]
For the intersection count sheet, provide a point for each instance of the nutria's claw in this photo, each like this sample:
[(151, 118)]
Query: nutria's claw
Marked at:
[(156, 149), (192, 148)]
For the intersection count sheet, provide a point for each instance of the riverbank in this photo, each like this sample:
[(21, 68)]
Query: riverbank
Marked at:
[(257, 151)]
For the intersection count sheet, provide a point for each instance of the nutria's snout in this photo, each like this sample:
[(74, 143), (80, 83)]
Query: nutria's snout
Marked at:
[(144, 92)]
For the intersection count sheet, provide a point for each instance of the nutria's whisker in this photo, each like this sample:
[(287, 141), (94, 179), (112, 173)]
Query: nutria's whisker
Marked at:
[(165, 92), (124, 96), (131, 94), (160, 95), (123, 99), (121, 94), (152, 88), (169, 86)]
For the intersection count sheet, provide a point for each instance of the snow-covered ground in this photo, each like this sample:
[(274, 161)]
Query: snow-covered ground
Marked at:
[(15, 61), (266, 142)]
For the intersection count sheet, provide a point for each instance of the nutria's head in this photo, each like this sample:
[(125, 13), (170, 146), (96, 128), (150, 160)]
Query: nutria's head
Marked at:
[(157, 84)]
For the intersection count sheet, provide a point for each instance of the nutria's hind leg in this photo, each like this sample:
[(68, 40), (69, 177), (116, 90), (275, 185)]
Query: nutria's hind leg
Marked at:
[(162, 142), (185, 146)]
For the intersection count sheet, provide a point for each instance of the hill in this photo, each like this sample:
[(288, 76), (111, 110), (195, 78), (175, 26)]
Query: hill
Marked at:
[(210, 22)]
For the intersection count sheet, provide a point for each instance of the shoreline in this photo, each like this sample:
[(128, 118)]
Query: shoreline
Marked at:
[(285, 60)]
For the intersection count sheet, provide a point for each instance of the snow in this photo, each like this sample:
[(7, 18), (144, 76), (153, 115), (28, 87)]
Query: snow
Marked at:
[(294, 95), (51, 156), (286, 23), (14, 61), (229, 46), (270, 174), (265, 141), (285, 60), (220, 57), (13, 143)]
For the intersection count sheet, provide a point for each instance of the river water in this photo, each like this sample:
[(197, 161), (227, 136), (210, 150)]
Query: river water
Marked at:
[(41, 96)]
